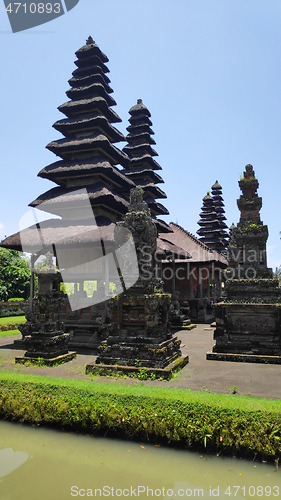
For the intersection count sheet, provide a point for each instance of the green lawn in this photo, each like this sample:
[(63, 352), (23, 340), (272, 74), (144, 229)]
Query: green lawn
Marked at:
[(8, 325), (12, 319), (9, 332)]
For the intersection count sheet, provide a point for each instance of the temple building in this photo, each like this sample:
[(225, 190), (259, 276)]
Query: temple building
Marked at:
[(141, 166), (196, 273)]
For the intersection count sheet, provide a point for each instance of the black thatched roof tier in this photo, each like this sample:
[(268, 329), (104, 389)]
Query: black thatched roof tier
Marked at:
[(70, 148), (72, 126), (134, 150), (150, 189), (139, 128), (139, 119), (145, 172), (91, 61), (94, 75), (216, 186), (61, 200), (62, 171), (84, 68), (143, 137), (86, 71), (139, 109), (93, 90), (89, 50), (143, 161), (73, 108), (156, 208)]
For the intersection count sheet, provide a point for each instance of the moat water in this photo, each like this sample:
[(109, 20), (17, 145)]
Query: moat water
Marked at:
[(44, 464)]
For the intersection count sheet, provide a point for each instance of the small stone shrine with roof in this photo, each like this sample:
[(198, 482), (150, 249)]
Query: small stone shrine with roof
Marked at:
[(44, 334), (248, 322)]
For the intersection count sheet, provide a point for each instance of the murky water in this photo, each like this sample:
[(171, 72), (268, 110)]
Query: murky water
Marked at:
[(43, 464)]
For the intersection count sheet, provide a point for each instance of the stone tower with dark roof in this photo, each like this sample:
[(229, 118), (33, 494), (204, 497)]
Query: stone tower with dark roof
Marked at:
[(247, 246)]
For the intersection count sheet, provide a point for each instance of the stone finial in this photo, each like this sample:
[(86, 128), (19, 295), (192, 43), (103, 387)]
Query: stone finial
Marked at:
[(90, 41), (139, 101), (137, 204), (249, 171)]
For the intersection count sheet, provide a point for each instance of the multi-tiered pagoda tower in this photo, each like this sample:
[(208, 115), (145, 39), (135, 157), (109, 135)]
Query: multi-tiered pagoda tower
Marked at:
[(87, 151), (219, 209), (141, 166), (209, 223)]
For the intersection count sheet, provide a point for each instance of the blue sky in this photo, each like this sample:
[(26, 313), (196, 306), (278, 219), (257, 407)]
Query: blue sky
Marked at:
[(208, 70)]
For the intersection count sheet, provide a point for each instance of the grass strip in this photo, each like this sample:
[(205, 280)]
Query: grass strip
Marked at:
[(9, 332), (10, 323), (231, 424)]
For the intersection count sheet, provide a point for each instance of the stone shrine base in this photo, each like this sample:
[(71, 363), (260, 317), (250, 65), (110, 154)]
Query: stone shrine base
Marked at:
[(243, 358), (165, 373), (63, 358)]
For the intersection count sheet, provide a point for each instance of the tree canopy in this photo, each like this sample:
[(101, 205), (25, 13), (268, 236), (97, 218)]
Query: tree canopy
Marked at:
[(15, 275)]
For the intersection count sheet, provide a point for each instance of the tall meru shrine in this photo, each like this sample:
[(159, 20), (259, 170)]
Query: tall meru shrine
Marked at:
[(92, 169)]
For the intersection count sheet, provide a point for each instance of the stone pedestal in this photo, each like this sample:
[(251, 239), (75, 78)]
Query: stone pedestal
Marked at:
[(248, 323), (140, 334), (43, 333)]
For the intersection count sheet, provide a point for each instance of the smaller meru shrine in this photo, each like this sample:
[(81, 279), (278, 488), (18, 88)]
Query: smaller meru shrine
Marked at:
[(98, 289), (248, 321)]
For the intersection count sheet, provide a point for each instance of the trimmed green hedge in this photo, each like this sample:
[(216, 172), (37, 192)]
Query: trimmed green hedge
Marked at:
[(245, 426)]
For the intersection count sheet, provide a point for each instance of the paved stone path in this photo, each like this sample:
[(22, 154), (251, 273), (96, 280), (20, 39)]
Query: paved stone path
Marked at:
[(216, 376)]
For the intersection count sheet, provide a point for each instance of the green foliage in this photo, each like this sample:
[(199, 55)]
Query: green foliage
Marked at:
[(220, 423), (277, 274), (15, 299), (15, 275)]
